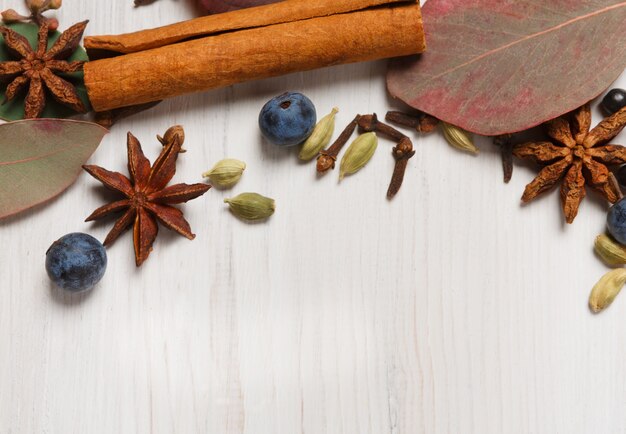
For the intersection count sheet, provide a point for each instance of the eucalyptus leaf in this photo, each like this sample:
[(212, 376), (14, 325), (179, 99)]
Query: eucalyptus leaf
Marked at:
[(14, 110), (40, 158), (496, 67)]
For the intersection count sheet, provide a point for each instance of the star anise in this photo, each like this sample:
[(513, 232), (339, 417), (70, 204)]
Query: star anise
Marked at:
[(38, 69), (147, 197), (577, 155)]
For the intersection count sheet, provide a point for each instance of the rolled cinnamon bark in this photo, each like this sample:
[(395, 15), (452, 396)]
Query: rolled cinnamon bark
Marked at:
[(249, 44)]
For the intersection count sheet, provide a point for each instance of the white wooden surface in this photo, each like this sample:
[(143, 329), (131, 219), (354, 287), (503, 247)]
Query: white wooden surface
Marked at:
[(451, 309)]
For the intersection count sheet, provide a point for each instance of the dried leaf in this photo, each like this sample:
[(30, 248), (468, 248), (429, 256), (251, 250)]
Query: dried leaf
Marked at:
[(14, 110), (40, 158), (501, 67)]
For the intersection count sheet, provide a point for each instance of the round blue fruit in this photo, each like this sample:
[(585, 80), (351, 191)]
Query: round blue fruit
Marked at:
[(76, 262), (288, 119), (616, 221)]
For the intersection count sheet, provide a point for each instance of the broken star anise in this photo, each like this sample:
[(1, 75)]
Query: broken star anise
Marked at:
[(577, 155), (38, 69), (147, 197)]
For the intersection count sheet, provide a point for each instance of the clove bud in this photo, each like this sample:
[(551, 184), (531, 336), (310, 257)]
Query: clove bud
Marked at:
[(422, 123)]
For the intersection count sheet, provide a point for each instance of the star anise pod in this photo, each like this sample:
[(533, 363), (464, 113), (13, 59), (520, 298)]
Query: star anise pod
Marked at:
[(38, 69), (576, 155), (147, 198)]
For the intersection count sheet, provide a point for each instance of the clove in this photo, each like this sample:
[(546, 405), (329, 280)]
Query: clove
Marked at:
[(326, 159), (505, 144), (422, 123), (402, 152), (370, 123)]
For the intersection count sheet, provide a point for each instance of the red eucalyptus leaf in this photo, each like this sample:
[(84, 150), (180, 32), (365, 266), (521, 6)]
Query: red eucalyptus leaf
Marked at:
[(219, 6), (40, 158), (496, 67)]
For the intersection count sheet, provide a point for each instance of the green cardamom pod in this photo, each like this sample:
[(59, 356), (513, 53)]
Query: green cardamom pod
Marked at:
[(607, 288), (358, 154), (320, 137), (459, 138), (226, 173), (609, 250), (251, 206)]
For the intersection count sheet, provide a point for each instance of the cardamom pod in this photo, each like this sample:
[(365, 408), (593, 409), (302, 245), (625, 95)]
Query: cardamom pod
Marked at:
[(251, 206), (459, 138), (607, 288), (358, 154), (609, 250), (226, 173), (320, 137)]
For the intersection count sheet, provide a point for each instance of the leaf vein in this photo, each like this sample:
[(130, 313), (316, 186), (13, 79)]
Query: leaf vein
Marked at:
[(529, 37)]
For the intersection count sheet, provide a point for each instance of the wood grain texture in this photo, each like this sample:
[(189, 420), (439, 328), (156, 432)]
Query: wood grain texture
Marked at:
[(451, 309)]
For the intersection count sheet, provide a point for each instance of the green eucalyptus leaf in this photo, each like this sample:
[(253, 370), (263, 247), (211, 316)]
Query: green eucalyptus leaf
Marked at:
[(40, 158), (14, 110)]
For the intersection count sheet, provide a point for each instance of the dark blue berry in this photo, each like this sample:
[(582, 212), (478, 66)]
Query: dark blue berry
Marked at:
[(288, 119), (613, 101), (616, 221), (76, 262)]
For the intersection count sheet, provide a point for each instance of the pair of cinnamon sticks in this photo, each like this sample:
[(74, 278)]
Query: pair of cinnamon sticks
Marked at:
[(266, 41)]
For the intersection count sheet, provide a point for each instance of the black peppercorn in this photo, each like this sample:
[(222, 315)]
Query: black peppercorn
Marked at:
[(613, 101)]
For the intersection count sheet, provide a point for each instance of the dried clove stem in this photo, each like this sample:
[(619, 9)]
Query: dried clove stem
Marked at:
[(402, 153), (506, 150), (370, 123), (422, 123), (403, 119), (326, 159)]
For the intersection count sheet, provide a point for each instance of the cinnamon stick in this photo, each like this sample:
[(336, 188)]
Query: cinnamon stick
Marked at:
[(267, 41), (283, 12)]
